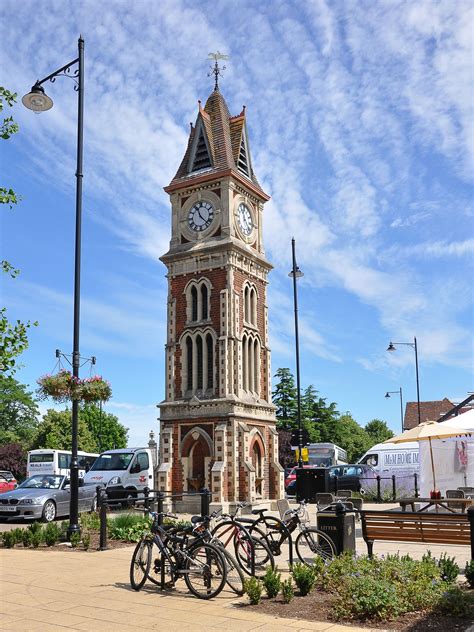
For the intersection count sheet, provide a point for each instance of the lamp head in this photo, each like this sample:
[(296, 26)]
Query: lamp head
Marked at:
[(391, 347), (387, 394), (298, 273), (37, 100)]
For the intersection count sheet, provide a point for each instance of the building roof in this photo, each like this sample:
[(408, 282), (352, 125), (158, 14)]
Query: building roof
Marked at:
[(217, 142), (429, 411)]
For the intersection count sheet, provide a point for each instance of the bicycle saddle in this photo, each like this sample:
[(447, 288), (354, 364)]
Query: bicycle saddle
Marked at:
[(258, 511)]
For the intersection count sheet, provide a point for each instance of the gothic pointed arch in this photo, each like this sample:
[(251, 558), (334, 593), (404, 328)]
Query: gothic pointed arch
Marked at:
[(200, 155)]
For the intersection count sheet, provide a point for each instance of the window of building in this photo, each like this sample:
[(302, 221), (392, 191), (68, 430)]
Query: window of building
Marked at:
[(198, 367), (189, 357), (204, 305), (210, 361), (198, 300), (250, 305), (199, 362), (251, 364)]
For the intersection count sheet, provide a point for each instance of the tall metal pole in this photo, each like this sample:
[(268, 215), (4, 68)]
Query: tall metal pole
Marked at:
[(74, 502), (297, 343), (417, 382), (401, 409)]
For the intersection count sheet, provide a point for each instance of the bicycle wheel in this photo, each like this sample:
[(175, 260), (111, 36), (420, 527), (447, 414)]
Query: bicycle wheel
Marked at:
[(140, 564), (250, 549), (205, 570), (235, 576), (312, 543)]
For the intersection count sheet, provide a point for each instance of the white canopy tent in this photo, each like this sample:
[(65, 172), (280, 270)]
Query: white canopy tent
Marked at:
[(453, 457)]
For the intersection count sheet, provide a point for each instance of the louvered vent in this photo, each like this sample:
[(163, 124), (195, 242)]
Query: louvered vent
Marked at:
[(201, 158), (242, 163)]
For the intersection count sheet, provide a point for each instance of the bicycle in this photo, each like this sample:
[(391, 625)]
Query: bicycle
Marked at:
[(310, 543), (235, 576), (251, 553), (202, 565)]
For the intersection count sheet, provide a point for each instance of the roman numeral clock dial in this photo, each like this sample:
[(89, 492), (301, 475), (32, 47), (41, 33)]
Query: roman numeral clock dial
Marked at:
[(200, 216)]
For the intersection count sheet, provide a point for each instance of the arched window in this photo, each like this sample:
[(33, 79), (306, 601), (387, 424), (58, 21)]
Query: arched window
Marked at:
[(204, 306), (253, 306), (256, 367), (210, 361), (189, 364), (199, 362), (244, 363), (246, 304), (194, 303)]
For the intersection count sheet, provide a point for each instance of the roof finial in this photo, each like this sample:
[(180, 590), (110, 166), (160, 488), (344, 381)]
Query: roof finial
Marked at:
[(215, 70)]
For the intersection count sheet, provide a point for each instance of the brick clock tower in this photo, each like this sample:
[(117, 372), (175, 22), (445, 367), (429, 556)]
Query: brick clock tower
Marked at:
[(217, 419)]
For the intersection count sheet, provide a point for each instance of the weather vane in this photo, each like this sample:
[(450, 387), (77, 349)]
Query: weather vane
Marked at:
[(215, 70)]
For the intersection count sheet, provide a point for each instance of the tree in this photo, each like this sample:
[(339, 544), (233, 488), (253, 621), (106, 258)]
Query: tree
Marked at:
[(345, 432), (378, 431), (54, 431), (107, 431), (13, 458), (316, 413), (13, 336), (284, 398), (18, 413)]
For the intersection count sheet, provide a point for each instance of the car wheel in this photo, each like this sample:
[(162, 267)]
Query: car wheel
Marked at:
[(49, 511)]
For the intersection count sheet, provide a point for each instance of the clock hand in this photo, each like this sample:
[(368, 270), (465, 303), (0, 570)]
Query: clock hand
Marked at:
[(199, 213)]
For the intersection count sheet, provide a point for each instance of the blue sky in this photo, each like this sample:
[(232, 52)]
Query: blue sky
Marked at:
[(360, 117)]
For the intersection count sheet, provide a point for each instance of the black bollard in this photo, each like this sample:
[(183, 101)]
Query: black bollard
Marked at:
[(470, 515), (146, 494), (205, 502), (159, 508), (394, 488), (416, 485), (379, 495), (103, 520)]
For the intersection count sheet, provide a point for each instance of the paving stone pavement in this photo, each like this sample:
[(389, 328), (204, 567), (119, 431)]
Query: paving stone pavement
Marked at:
[(66, 590)]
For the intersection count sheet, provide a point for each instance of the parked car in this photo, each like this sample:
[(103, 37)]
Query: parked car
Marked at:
[(357, 478), (6, 485), (44, 497), (9, 476)]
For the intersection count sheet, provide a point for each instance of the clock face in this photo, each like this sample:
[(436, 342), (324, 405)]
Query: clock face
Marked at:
[(245, 219), (200, 216)]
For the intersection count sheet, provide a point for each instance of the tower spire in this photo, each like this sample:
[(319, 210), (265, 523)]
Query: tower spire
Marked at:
[(215, 70)]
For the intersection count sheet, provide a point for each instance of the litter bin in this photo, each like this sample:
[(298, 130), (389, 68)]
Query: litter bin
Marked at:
[(311, 481), (339, 526)]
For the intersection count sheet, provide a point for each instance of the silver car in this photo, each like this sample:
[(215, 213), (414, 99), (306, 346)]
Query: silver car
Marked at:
[(44, 496)]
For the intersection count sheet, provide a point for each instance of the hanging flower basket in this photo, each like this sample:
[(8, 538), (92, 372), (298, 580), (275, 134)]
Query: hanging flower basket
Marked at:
[(95, 389), (63, 387), (60, 387)]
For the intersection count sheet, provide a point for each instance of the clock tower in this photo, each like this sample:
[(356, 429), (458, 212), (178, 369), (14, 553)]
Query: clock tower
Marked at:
[(217, 419)]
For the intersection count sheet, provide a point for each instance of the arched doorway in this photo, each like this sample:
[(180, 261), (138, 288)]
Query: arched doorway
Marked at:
[(257, 462), (196, 457)]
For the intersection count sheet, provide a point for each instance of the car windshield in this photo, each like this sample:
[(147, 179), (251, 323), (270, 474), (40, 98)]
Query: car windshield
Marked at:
[(115, 461), (40, 481)]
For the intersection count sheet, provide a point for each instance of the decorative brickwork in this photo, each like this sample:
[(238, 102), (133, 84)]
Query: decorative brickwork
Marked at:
[(217, 420)]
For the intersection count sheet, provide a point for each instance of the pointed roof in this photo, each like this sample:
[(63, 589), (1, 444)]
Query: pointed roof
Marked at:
[(217, 143)]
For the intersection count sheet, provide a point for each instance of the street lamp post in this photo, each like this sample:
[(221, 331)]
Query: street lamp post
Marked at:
[(399, 392), (296, 274), (38, 101), (391, 347)]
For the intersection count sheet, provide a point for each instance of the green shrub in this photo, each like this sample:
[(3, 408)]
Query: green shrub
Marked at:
[(448, 568), (90, 521), (128, 527), (456, 603), (26, 538), (253, 589), (366, 598), (272, 582), (35, 527), (36, 538), (469, 572), (179, 524), (287, 590), (8, 539), (86, 540), (74, 539), (304, 576), (52, 532)]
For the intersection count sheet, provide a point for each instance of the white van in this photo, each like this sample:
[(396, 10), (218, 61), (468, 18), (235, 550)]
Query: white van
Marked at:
[(124, 472), (399, 459)]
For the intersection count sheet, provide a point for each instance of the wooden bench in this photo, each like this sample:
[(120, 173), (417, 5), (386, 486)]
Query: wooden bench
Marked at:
[(433, 528)]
